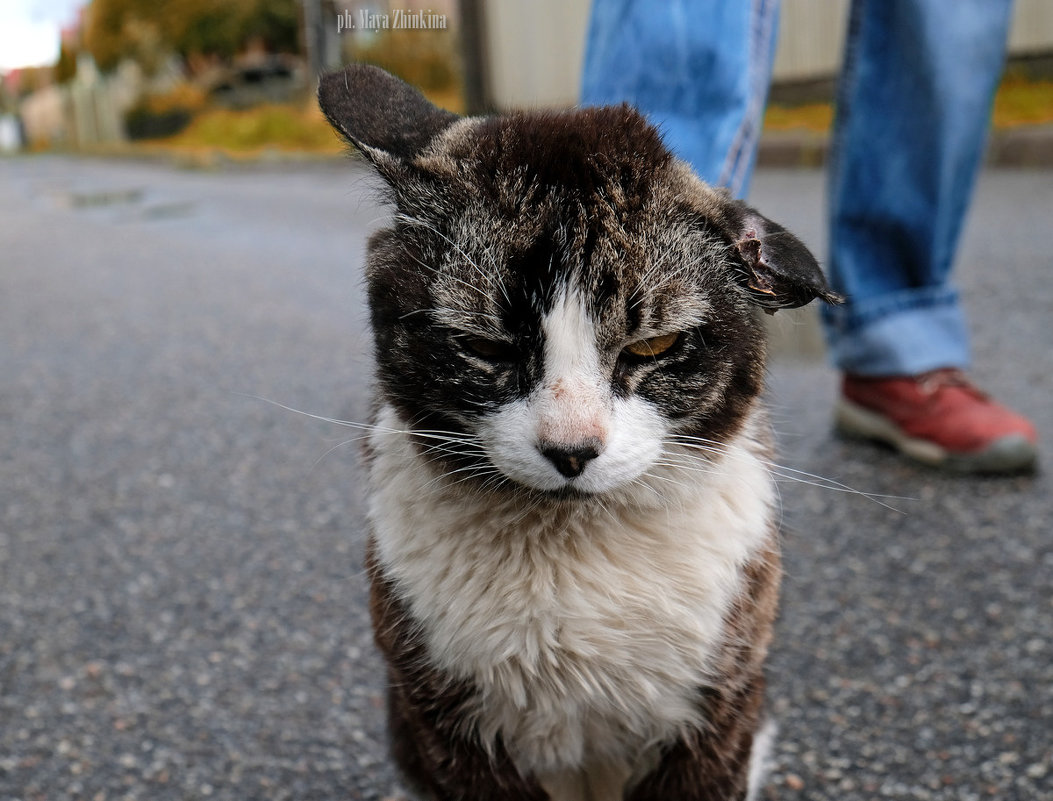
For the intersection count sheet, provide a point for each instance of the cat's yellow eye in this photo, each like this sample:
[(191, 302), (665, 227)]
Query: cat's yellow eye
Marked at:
[(654, 346), (490, 349)]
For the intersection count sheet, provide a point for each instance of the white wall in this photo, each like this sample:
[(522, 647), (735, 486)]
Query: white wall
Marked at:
[(535, 51), (812, 34), (535, 47)]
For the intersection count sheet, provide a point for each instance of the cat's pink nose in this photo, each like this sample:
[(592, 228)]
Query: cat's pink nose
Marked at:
[(570, 461)]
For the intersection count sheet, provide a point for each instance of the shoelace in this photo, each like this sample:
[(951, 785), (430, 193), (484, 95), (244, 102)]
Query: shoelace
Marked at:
[(946, 377)]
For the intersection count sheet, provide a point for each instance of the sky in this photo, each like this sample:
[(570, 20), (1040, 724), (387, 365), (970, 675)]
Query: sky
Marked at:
[(29, 30)]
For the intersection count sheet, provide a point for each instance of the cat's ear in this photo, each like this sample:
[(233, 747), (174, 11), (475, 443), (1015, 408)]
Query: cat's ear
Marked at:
[(385, 118), (777, 269)]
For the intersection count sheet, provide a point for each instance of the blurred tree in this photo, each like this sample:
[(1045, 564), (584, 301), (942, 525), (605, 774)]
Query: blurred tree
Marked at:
[(105, 29), (146, 29), (205, 26), (66, 66), (277, 23)]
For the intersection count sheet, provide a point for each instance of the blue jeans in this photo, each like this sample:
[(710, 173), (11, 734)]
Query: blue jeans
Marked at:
[(913, 106)]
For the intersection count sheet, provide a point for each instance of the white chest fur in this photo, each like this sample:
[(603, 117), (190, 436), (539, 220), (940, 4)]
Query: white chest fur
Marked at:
[(586, 627)]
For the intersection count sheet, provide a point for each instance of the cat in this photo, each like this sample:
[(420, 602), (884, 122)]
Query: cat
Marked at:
[(573, 550)]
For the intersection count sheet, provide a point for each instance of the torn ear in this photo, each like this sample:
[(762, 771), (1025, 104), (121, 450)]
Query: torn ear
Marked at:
[(379, 114), (778, 271)]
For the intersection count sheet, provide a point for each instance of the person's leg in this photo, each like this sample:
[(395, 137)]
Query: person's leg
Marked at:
[(913, 110), (913, 107), (699, 69)]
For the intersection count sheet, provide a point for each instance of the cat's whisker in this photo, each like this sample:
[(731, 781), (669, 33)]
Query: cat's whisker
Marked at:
[(320, 417), (690, 439), (334, 448), (449, 443), (427, 433), (442, 453), (784, 472), (688, 464), (691, 465), (472, 473), (415, 311), (662, 478)]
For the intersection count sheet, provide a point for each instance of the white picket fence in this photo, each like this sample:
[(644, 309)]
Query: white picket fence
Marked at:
[(86, 112)]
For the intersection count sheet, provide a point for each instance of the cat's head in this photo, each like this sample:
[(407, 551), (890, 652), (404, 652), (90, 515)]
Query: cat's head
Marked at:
[(558, 294)]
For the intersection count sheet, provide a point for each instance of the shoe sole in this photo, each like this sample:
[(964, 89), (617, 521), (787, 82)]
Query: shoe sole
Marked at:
[(1010, 454)]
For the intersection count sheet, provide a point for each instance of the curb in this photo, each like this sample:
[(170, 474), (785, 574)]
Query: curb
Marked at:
[(1027, 146), (1024, 147)]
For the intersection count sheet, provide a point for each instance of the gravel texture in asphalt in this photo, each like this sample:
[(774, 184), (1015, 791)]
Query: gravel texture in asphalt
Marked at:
[(182, 604)]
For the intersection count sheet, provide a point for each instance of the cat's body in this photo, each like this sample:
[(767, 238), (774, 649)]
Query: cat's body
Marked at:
[(586, 630), (573, 556)]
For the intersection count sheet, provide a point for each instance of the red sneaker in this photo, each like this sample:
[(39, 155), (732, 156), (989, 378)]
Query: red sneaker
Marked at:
[(938, 418)]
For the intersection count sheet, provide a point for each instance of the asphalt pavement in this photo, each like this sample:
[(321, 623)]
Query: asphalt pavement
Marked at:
[(182, 599)]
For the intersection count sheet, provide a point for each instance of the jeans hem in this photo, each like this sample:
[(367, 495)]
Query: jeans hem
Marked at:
[(903, 334)]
